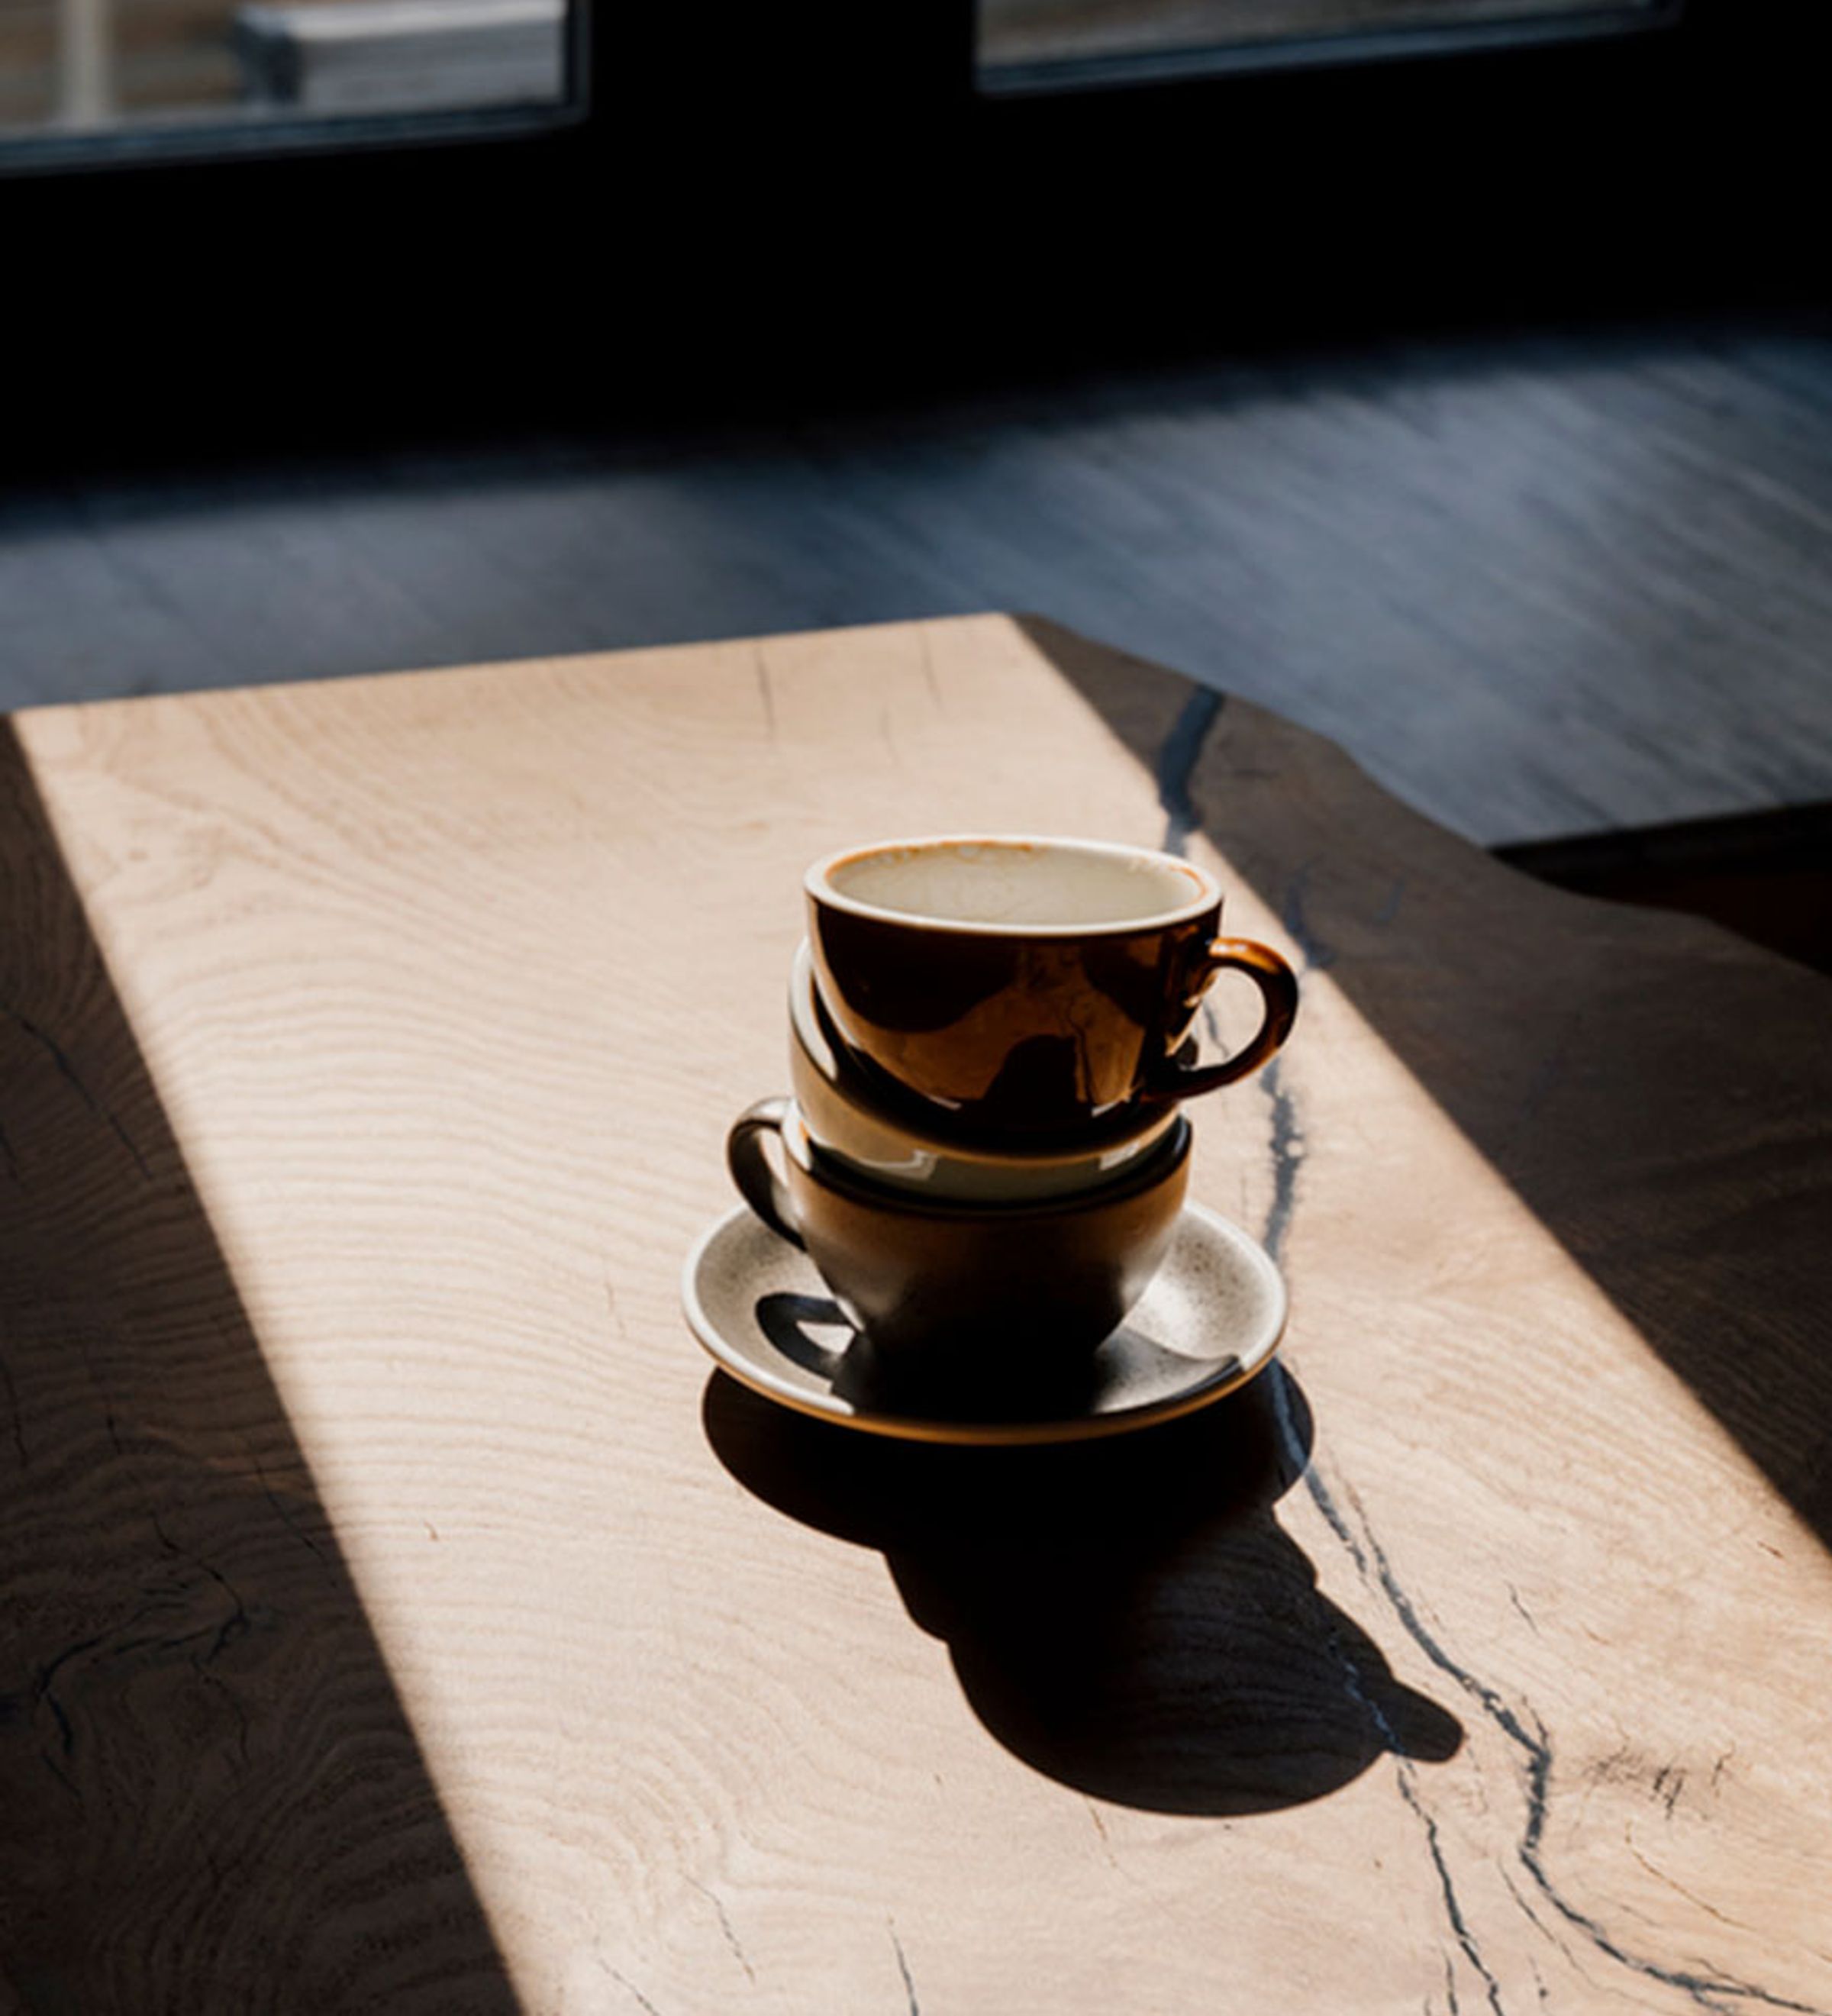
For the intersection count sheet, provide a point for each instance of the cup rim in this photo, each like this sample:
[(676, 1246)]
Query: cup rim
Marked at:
[(815, 880), (1159, 1164)]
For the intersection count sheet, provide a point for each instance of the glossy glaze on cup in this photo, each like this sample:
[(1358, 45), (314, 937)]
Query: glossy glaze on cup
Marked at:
[(843, 1122), (1047, 987), (1001, 1288)]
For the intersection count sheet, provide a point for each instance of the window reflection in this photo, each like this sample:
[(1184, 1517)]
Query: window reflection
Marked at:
[(1017, 37), (102, 66)]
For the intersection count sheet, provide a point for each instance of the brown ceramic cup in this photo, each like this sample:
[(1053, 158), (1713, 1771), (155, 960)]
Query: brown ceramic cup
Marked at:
[(1005, 1289), (845, 1126), (1014, 989)]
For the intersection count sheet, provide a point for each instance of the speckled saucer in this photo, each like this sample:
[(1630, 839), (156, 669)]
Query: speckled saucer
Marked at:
[(1210, 1321)]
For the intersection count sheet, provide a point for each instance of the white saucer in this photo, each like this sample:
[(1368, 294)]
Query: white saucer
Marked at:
[(1210, 1320)]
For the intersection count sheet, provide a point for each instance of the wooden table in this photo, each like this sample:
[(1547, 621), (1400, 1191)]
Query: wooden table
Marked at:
[(399, 1615)]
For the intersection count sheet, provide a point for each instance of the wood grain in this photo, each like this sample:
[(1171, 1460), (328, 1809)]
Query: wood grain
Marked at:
[(1475, 1661)]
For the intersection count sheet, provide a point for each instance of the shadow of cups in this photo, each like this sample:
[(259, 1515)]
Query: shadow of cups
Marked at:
[(1127, 1616)]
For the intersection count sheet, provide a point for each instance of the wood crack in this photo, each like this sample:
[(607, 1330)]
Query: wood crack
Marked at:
[(928, 665), (718, 1904), (1454, 1911), (55, 1050), (287, 1519), (1368, 1702), (903, 1969), (1284, 1151), (1177, 759), (1450, 1995), (629, 1987), (765, 688), (1691, 1896)]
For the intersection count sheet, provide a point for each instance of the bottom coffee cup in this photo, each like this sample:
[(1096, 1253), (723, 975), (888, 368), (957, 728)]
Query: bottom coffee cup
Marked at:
[(994, 1288)]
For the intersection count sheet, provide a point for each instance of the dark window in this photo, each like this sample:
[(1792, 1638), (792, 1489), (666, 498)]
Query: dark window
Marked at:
[(741, 205)]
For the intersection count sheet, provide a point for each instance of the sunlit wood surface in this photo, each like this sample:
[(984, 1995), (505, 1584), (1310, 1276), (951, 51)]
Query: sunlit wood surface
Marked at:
[(398, 1615)]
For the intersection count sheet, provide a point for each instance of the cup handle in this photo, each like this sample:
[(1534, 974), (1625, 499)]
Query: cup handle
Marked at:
[(758, 1184), (1278, 990)]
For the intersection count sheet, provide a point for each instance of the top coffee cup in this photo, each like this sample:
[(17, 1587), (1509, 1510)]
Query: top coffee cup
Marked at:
[(1024, 989)]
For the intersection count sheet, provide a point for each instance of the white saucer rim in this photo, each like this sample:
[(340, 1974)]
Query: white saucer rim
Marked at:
[(1078, 1427)]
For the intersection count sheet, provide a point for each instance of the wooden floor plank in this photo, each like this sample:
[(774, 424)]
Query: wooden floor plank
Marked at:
[(1538, 585)]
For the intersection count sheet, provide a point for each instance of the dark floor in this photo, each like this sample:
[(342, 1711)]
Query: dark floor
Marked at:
[(1539, 585)]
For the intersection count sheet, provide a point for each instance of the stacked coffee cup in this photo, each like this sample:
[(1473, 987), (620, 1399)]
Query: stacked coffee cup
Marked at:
[(986, 1154)]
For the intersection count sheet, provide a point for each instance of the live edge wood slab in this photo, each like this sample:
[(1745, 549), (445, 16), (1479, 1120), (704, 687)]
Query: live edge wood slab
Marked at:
[(397, 1613)]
